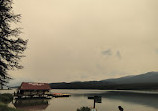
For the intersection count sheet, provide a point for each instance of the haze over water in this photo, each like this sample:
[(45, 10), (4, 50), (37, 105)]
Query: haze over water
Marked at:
[(84, 40)]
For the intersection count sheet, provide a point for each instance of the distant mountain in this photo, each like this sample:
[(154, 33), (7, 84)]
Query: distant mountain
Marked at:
[(147, 81), (150, 77)]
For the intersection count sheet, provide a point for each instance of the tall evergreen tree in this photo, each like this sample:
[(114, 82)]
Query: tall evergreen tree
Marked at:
[(11, 45)]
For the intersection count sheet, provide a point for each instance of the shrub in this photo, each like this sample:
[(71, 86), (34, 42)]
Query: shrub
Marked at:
[(83, 109), (4, 107), (6, 98)]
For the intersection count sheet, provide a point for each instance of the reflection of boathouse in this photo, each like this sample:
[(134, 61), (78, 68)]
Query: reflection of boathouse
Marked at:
[(31, 104), (31, 89)]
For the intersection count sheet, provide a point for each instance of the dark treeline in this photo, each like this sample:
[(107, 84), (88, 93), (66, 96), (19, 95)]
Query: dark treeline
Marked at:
[(79, 85), (105, 86)]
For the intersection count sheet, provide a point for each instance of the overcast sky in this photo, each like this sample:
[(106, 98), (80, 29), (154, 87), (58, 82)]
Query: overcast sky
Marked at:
[(79, 40)]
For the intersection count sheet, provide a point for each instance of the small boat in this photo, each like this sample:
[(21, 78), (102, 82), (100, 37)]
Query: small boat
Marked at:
[(60, 95)]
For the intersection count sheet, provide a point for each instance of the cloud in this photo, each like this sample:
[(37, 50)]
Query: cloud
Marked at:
[(156, 50), (118, 54), (107, 52)]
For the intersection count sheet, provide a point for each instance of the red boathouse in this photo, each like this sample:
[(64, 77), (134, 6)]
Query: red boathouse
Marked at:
[(33, 89)]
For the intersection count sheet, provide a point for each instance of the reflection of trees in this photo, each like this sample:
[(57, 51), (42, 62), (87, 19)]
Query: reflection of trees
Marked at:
[(148, 99), (83, 109), (141, 98), (29, 104)]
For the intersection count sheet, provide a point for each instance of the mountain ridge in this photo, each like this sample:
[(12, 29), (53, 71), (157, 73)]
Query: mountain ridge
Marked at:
[(145, 81), (149, 77)]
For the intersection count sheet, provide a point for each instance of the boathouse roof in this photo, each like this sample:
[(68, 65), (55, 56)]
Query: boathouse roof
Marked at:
[(34, 86)]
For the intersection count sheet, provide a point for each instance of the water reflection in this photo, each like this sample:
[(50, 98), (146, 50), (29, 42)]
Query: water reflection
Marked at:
[(137, 98), (147, 99), (31, 104), (129, 100)]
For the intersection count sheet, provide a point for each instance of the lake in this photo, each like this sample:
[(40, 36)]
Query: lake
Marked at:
[(129, 100)]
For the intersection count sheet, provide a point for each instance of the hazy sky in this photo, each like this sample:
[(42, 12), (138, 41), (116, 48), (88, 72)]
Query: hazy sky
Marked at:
[(72, 40)]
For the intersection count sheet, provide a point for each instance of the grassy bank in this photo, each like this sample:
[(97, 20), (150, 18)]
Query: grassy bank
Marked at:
[(4, 100), (4, 107)]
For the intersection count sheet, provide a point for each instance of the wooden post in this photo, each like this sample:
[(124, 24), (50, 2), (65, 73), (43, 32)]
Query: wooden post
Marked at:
[(94, 104), (1, 84), (96, 99)]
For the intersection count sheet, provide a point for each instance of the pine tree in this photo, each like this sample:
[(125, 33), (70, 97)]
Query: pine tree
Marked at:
[(11, 45)]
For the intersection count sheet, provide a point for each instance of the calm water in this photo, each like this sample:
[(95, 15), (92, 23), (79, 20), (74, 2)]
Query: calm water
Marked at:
[(134, 101)]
